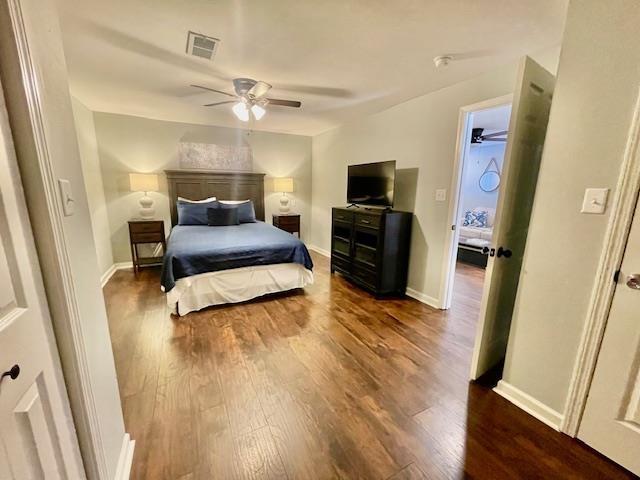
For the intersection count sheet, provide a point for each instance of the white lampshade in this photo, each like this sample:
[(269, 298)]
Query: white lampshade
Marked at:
[(258, 111), (143, 182), (241, 111), (283, 184)]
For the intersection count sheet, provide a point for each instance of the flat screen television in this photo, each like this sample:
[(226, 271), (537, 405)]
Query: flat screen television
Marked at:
[(372, 183)]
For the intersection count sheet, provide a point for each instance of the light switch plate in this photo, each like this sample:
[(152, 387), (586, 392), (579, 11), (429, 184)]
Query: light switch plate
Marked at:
[(441, 195), (595, 200), (66, 196)]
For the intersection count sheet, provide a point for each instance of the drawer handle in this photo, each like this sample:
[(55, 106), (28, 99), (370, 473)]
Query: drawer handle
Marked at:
[(365, 221)]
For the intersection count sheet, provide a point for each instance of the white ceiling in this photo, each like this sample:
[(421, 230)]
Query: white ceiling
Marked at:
[(492, 119), (341, 58)]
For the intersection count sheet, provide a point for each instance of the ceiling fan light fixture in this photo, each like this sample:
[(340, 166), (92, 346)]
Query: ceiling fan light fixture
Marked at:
[(258, 111), (241, 111)]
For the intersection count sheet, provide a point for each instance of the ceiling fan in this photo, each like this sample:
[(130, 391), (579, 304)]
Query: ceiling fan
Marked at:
[(249, 98), (478, 137)]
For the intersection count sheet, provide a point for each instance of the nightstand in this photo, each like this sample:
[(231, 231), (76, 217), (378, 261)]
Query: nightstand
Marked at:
[(289, 222), (146, 231)]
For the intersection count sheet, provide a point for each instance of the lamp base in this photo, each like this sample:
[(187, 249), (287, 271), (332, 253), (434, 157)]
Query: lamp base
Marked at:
[(146, 207), (284, 204)]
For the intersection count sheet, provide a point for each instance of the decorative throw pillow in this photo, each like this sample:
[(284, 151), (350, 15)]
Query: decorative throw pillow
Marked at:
[(246, 211), (190, 213), (222, 217), (478, 218)]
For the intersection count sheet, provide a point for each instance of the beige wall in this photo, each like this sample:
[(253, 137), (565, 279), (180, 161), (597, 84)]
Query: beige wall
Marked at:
[(420, 135), (598, 81), (133, 144), (88, 145)]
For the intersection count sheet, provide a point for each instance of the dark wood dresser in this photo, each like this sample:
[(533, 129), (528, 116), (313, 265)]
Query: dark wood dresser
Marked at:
[(146, 231), (371, 248)]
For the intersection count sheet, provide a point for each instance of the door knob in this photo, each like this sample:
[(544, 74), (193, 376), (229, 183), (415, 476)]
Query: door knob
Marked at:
[(12, 373), (503, 252), (633, 281)]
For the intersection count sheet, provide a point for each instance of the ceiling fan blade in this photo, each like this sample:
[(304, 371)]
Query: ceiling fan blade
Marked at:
[(284, 103), (219, 103), (214, 90), (496, 134), (259, 89)]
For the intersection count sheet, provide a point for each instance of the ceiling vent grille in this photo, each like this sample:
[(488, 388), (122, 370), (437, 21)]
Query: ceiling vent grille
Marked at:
[(201, 45)]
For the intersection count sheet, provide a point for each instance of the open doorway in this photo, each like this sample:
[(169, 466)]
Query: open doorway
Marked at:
[(505, 234), (482, 136)]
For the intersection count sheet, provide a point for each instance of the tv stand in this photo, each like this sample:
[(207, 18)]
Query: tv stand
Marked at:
[(371, 248)]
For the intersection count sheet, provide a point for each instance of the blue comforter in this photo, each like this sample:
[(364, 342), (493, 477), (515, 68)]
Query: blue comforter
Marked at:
[(194, 249)]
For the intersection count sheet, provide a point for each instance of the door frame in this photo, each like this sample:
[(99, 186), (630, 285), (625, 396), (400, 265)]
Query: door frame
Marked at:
[(453, 235), (623, 206), (26, 120)]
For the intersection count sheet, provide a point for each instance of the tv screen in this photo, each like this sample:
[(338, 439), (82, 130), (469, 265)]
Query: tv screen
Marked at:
[(372, 183)]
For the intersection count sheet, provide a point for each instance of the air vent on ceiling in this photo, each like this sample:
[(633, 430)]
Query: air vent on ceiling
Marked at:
[(201, 45)]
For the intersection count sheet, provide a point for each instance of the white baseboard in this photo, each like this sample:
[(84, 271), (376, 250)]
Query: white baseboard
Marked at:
[(106, 276), (421, 297), (321, 251), (526, 402), (126, 458)]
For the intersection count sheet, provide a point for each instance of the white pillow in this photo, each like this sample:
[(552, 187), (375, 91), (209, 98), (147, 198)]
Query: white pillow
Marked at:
[(233, 202), (206, 200)]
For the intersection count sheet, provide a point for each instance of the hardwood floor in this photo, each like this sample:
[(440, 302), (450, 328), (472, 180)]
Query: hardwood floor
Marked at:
[(322, 384)]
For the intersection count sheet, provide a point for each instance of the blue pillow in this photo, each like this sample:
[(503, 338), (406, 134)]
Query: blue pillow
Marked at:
[(222, 217), (246, 212), (194, 213)]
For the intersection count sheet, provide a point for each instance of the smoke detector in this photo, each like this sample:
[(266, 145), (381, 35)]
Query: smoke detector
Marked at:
[(202, 46), (442, 60)]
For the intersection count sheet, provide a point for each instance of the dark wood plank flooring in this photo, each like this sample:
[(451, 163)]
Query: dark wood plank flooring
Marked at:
[(321, 384)]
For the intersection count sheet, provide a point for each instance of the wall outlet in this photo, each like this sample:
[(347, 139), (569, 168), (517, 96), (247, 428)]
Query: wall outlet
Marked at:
[(441, 195), (595, 200)]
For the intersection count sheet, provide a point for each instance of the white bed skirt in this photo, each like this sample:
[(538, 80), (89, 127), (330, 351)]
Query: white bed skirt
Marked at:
[(235, 285)]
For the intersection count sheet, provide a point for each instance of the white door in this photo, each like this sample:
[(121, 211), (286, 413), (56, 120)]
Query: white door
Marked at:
[(611, 420), (527, 130), (37, 436)]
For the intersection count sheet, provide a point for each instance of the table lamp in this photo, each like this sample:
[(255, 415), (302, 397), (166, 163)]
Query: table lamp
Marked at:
[(144, 182), (284, 185)]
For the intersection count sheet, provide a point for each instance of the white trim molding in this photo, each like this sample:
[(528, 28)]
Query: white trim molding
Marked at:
[(526, 402), (123, 472), (319, 250), (424, 298), (622, 210), (106, 276)]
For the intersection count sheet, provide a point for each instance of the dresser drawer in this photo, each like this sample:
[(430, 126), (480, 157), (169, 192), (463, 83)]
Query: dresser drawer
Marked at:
[(287, 221), (366, 277), (340, 264), (342, 216), (147, 237), (370, 221), (145, 227)]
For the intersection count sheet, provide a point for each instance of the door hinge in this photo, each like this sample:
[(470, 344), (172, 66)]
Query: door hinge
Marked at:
[(453, 227), (616, 276)]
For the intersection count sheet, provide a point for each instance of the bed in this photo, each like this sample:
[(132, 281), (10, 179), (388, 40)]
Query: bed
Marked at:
[(206, 266)]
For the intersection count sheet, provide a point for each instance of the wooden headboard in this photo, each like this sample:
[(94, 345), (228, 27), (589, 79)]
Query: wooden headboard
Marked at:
[(201, 184)]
